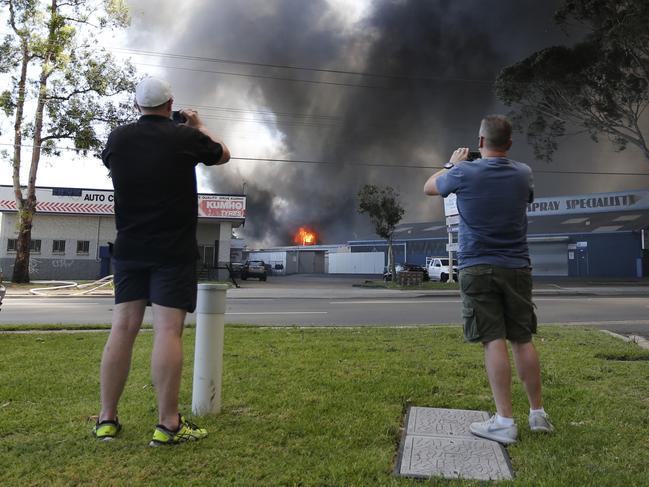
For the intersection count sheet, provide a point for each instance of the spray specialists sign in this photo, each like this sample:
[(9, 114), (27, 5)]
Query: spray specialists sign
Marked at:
[(593, 203), (78, 201)]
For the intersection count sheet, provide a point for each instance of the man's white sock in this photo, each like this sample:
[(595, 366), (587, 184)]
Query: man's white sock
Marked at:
[(502, 421), (537, 411)]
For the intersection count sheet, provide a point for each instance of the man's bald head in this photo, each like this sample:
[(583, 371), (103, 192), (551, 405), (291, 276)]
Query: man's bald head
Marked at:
[(497, 132)]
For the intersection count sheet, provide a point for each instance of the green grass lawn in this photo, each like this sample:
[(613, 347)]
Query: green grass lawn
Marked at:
[(318, 407)]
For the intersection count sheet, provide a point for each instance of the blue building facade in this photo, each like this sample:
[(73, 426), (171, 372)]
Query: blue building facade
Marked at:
[(597, 235)]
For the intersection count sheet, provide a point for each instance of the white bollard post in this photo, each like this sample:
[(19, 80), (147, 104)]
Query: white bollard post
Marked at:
[(208, 350)]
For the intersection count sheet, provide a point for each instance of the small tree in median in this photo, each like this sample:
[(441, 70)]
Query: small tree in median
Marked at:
[(385, 212), (57, 67)]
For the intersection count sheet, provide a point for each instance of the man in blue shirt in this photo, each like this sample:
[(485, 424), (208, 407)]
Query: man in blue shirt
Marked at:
[(495, 275)]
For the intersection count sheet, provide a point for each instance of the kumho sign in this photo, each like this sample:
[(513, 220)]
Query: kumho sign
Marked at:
[(222, 206)]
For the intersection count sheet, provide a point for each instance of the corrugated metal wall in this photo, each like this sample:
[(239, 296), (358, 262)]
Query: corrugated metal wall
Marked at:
[(356, 263)]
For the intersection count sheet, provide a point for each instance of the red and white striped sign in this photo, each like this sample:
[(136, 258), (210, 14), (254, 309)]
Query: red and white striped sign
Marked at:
[(75, 208), (100, 202)]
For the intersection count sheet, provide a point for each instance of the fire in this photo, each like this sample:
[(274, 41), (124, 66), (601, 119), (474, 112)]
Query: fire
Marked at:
[(305, 236)]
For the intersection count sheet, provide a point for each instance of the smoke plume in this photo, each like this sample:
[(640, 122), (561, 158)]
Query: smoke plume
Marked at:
[(432, 64)]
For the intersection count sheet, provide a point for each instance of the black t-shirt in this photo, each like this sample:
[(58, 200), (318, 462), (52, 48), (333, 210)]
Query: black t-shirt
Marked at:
[(152, 164)]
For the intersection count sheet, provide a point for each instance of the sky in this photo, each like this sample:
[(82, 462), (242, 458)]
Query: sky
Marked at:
[(288, 93)]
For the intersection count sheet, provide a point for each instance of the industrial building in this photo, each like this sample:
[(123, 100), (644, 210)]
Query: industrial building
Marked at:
[(319, 259), (73, 227), (595, 235)]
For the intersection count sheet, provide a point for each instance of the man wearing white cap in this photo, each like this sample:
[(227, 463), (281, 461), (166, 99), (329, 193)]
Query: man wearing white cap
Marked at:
[(152, 163)]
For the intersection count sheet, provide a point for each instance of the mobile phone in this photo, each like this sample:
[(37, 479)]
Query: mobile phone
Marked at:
[(178, 117), (473, 155)]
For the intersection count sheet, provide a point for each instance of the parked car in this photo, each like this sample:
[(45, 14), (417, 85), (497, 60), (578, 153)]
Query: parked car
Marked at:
[(254, 268), (438, 269), (387, 275)]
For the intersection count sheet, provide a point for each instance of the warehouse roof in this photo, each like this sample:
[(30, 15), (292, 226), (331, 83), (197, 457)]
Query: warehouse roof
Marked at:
[(610, 222)]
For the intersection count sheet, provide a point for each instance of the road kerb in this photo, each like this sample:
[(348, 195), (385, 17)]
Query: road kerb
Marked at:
[(638, 340)]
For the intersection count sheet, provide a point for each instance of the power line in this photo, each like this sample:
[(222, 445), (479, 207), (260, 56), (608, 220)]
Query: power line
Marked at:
[(366, 74), (261, 76), (269, 113), (377, 164), (417, 166)]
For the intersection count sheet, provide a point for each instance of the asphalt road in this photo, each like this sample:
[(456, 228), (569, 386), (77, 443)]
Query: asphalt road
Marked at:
[(616, 313)]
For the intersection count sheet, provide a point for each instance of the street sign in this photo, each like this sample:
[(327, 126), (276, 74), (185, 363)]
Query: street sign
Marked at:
[(452, 220), (450, 206), (452, 247), (453, 229)]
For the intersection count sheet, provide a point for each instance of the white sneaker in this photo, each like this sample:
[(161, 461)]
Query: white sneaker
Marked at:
[(493, 431), (540, 423)]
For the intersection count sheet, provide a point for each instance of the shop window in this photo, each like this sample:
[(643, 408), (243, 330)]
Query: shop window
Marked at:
[(35, 246), (83, 247), (58, 247)]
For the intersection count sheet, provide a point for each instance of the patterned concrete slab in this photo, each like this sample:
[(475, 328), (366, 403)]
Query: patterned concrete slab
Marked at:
[(437, 443)]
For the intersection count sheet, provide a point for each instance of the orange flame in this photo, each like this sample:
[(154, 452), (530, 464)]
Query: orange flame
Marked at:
[(305, 236)]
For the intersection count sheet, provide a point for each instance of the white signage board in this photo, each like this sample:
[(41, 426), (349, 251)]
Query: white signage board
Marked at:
[(450, 205), (592, 203), (577, 204), (452, 220), (221, 206), (453, 247)]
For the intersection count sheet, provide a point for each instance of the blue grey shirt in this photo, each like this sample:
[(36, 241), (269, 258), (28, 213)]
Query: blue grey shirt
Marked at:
[(492, 197)]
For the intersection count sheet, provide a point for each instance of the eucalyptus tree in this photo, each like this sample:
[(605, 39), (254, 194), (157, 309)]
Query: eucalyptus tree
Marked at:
[(598, 85), (65, 89)]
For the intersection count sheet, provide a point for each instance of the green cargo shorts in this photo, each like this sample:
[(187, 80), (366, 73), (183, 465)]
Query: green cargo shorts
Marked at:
[(497, 303)]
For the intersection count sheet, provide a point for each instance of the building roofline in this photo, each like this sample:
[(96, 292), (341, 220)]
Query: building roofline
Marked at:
[(112, 190)]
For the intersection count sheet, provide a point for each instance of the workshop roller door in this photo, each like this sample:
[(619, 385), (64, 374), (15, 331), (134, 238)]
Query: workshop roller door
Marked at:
[(549, 258)]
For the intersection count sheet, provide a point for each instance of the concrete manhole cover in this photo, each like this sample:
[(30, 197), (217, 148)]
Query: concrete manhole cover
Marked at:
[(437, 443)]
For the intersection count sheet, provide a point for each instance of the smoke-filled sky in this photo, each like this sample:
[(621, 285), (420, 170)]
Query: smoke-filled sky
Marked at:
[(432, 64)]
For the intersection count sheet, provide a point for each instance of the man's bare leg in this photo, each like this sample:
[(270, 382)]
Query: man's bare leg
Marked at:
[(500, 376), (167, 361), (529, 370), (116, 359)]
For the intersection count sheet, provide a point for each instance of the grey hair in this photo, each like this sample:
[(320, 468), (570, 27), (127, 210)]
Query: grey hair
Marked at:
[(497, 131)]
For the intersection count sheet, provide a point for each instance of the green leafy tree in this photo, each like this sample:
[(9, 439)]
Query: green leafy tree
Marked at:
[(64, 87), (385, 212), (599, 85)]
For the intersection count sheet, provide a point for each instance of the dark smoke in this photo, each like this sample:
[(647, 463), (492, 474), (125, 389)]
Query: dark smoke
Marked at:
[(438, 58)]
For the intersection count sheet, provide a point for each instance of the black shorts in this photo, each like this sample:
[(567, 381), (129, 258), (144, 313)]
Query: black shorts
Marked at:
[(170, 285)]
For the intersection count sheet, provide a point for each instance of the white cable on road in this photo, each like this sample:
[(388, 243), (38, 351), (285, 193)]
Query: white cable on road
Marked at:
[(39, 291)]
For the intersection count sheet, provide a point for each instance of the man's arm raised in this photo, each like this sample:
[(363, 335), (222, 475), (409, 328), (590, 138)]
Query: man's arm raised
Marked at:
[(194, 121), (460, 154)]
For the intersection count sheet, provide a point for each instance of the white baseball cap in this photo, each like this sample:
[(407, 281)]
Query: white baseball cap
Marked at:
[(152, 92)]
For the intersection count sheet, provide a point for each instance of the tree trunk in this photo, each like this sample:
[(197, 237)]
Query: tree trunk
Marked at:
[(393, 271), (27, 206), (21, 265)]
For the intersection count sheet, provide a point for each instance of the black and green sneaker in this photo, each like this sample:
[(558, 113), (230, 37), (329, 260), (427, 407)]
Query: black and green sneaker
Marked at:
[(186, 432), (106, 430)]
